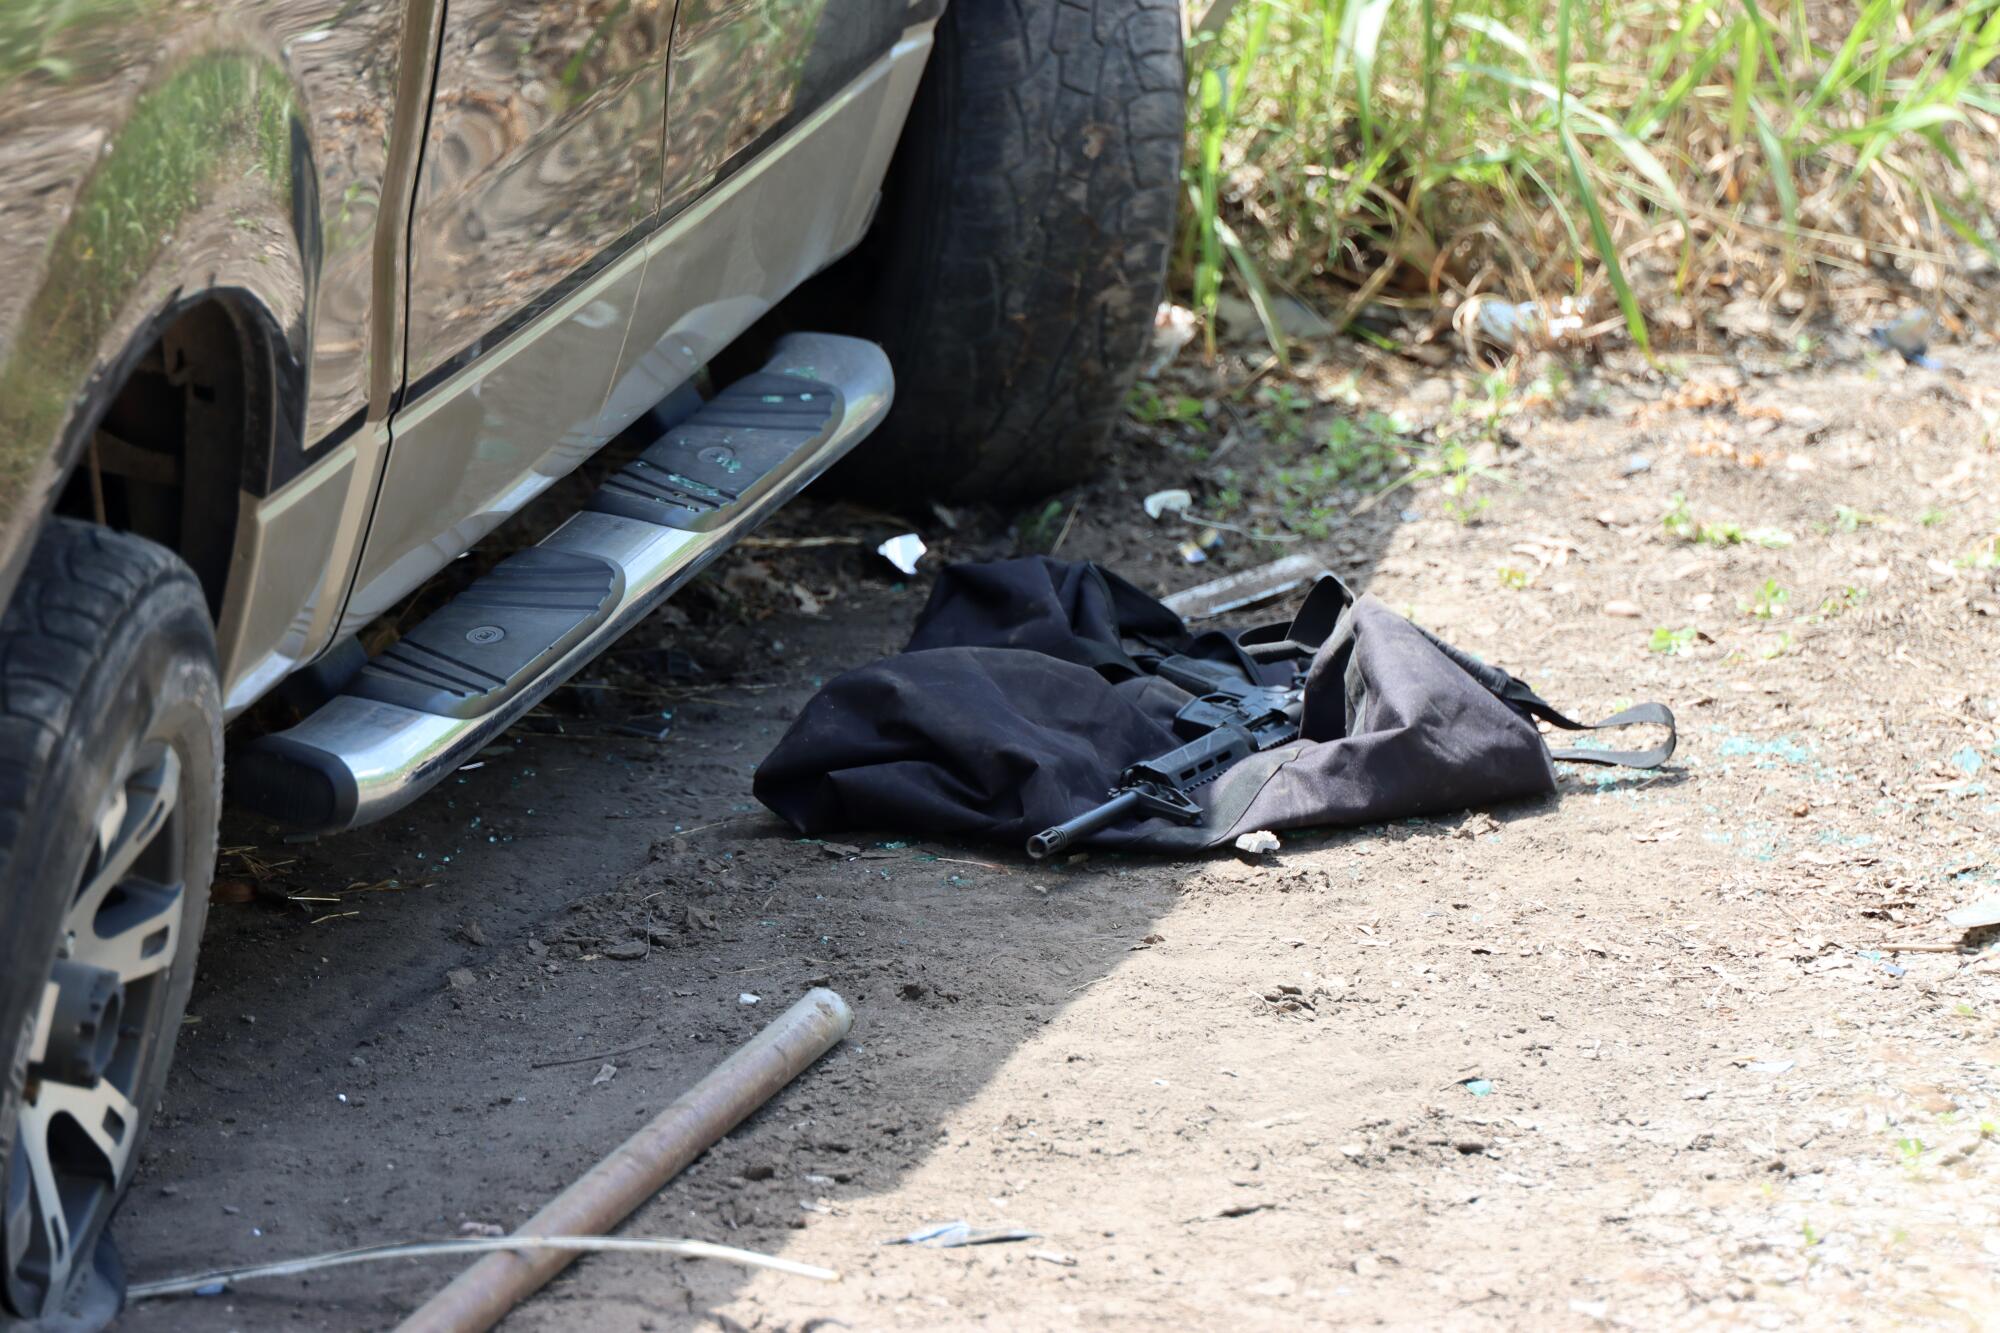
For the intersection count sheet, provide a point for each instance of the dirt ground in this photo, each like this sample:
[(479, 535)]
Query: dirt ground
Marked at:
[(1693, 1048)]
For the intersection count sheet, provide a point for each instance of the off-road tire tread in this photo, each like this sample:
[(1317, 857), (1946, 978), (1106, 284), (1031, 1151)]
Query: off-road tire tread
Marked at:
[(1038, 232), (78, 581)]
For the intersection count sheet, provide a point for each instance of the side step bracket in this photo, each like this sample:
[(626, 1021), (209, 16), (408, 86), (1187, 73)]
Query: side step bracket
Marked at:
[(443, 691)]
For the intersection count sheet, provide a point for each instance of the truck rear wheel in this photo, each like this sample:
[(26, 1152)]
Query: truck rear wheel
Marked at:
[(110, 788), (1022, 246)]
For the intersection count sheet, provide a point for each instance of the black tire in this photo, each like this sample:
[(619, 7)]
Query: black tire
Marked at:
[(1014, 271), (110, 744)]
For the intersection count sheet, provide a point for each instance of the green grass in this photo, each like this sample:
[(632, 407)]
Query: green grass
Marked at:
[(1647, 154), (51, 39)]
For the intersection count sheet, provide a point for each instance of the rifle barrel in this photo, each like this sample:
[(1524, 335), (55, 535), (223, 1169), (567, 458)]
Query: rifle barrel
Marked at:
[(1050, 841)]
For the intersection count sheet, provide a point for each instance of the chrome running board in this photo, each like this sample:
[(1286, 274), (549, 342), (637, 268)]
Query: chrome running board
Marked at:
[(443, 692)]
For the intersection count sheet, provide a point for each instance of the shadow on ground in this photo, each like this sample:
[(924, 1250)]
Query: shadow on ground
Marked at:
[(402, 1036)]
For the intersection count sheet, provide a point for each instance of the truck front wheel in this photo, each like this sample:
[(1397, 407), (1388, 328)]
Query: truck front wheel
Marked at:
[(110, 789)]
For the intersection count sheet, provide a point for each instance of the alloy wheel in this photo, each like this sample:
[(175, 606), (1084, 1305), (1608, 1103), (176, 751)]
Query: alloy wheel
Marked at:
[(96, 1034)]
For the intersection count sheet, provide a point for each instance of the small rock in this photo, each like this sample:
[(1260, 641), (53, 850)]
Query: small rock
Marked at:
[(461, 978), (759, 1171), (605, 1073), (626, 951), (1983, 913), (1626, 610), (746, 998), (473, 934), (1260, 843)]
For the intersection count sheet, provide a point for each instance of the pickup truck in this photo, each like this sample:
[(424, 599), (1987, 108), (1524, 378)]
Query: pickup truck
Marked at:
[(300, 300)]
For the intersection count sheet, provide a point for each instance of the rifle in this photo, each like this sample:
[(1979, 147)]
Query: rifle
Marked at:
[(1228, 720)]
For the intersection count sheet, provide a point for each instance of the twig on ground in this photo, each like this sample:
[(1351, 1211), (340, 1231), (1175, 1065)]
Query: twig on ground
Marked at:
[(600, 1055), (703, 828), (985, 865), (1074, 510), (686, 1249)]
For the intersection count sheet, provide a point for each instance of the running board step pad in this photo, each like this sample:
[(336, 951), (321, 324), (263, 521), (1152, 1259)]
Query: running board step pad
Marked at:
[(477, 651), (452, 685), (725, 455)]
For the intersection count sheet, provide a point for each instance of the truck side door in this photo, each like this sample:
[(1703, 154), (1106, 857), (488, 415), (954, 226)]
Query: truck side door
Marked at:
[(541, 174), (744, 70)]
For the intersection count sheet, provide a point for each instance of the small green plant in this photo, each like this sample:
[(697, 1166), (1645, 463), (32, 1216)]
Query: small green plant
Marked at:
[(1680, 523), (1450, 464), (1910, 1148), (1038, 532), (1931, 517), (1284, 415), (1678, 520), (1673, 642), (1984, 556), (1148, 408), (1367, 449), (1846, 518), (1460, 505), (1721, 534), (1776, 648), (1840, 603), (1768, 602), (1514, 580)]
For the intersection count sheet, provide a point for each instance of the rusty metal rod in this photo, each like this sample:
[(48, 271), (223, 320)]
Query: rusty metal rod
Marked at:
[(604, 1196)]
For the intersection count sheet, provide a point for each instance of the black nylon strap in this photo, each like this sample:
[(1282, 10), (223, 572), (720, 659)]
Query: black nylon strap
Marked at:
[(1638, 714)]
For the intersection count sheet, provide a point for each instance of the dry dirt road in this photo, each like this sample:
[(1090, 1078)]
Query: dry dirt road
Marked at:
[(1688, 1049)]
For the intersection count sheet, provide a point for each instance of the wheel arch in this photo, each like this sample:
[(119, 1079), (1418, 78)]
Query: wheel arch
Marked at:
[(195, 233)]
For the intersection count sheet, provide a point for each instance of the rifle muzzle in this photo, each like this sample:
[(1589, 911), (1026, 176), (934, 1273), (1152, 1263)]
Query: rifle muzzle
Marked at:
[(1050, 841)]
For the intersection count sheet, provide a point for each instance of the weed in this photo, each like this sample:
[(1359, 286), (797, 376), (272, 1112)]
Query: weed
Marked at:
[(1460, 505), (1515, 580), (1721, 534), (1680, 523), (1678, 520), (1910, 1148), (1768, 602), (1285, 410), (1776, 648), (1846, 518), (1450, 464), (1673, 642), (1931, 517), (1395, 148), (1840, 603), (1148, 408), (1038, 532), (1984, 556)]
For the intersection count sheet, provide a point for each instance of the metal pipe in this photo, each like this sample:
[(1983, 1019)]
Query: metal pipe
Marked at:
[(482, 1295)]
